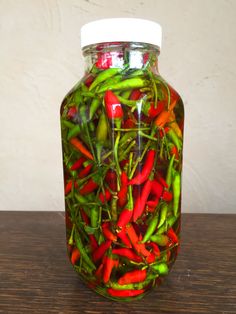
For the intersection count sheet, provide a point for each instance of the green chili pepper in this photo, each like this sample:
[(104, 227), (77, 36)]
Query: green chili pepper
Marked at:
[(96, 102), (164, 210), (160, 239), (136, 82), (151, 228), (103, 76), (174, 138), (94, 217), (176, 192), (161, 268), (171, 220), (169, 171), (83, 253), (67, 124), (74, 132)]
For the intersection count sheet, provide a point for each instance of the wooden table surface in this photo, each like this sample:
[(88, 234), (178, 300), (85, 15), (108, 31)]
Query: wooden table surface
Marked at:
[(36, 276)]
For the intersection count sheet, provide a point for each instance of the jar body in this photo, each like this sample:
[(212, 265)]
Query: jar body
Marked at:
[(122, 140)]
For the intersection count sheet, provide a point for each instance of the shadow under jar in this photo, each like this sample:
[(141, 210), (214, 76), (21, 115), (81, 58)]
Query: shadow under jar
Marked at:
[(122, 140)]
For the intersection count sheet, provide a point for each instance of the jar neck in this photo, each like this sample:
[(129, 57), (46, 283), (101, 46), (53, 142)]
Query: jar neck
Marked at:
[(121, 55)]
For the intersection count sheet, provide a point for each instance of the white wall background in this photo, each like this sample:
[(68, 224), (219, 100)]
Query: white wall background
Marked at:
[(40, 61)]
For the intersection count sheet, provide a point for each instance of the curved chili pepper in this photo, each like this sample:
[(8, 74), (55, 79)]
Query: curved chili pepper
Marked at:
[(124, 238), (150, 110), (133, 276), (101, 250), (139, 247), (136, 82), (103, 76), (124, 293), (135, 95), (163, 214), (141, 200), (124, 218), (107, 232), (89, 187), (128, 253), (80, 147), (147, 168), (156, 249), (163, 117), (78, 163), (151, 258), (151, 229), (160, 239), (83, 173)]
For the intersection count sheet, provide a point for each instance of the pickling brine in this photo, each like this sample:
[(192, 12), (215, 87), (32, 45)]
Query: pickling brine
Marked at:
[(122, 140)]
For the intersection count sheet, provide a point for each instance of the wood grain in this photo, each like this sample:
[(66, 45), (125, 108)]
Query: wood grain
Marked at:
[(36, 276)]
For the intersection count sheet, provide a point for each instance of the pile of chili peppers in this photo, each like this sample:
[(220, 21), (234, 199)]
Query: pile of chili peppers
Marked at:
[(122, 137)]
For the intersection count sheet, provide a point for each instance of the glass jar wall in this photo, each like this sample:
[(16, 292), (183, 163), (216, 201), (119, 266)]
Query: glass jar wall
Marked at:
[(122, 139)]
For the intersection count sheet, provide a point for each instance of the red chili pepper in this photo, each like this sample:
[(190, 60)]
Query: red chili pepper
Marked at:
[(124, 293), (89, 80), (151, 258), (111, 180), (124, 238), (162, 133), (69, 224), (76, 165), (104, 61), (162, 181), (93, 242), (128, 124), (83, 173), (135, 95), (75, 256), (69, 185), (155, 248), (108, 266), (107, 232), (98, 272), (145, 57), (153, 203), (89, 187), (147, 168), (150, 111), (124, 218), (172, 235), (101, 250), (113, 107), (167, 196), (122, 194), (174, 151), (128, 253), (71, 112), (105, 197), (139, 247), (156, 189), (84, 216), (141, 200), (133, 276)]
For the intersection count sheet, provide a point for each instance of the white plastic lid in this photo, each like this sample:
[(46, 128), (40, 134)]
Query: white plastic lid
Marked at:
[(121, 29)]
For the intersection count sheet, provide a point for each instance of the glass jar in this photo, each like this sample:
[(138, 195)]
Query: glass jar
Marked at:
[(122, 140)]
